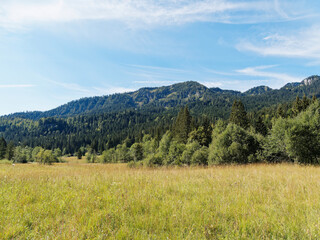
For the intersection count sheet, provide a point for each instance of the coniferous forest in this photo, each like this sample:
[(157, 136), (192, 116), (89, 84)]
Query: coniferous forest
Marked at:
[(182, 124)]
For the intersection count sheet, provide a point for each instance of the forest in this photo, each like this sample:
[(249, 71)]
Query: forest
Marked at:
[(287, 132)]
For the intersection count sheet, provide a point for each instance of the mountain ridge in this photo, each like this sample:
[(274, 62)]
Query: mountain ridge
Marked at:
[(172, 96)]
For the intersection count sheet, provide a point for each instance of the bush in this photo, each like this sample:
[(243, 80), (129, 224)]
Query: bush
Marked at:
[(233, 145), (295, 139), (133, 164), (187, 154), (153, 160), (175, 152), (200, 157)]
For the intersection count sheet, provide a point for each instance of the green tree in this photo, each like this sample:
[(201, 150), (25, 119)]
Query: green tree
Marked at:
[(79, 154), (3, 148), (20, 155), (108, 156), (175, 152), (238, 114), (10, 151), (137, 152), (190, 148), (182, 126), (260, 127), (233, 145), (164, 145), (202, 135), (91, 155), (297, 106), (200, 157)]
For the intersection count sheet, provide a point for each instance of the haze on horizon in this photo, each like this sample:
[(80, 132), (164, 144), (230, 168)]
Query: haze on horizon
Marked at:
[(56, 51)]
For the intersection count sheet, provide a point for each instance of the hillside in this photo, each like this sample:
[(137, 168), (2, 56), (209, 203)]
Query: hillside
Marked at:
[(111, 119), (179, 94)]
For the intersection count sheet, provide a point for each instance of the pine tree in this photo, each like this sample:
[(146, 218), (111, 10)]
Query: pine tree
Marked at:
[(79, 154), (297, 106), (182, 125), (3, 148), (305, 102), (238, 115), (260, 127), (10, 151)]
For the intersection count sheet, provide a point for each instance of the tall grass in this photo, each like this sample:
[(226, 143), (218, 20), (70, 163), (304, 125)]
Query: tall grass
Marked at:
[(83, 201)]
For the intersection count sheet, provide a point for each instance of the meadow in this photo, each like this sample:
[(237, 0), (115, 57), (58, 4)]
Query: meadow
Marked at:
[(93, 201)]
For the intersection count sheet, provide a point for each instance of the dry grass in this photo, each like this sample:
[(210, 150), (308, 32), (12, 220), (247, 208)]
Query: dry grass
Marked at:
[(92, 201)]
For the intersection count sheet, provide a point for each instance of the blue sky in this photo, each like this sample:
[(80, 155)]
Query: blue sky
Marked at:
[(55, 51)]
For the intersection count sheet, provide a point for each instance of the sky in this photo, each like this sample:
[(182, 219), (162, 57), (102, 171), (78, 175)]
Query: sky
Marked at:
[(55, 51)]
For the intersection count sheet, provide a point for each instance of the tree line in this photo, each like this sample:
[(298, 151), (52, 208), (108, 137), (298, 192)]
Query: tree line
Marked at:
[(292, 135), (287, 132)]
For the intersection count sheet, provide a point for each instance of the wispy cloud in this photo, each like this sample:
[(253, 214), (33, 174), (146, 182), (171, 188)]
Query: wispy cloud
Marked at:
[(261, 72), (90, 91), (15, 13), (70, 86), (303, 43), (16, 86)]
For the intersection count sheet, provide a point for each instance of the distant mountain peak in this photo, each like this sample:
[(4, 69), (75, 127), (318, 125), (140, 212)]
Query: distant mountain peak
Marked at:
[(310, 80), (258, 90)]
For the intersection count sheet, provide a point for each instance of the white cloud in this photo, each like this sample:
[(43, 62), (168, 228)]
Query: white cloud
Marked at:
[(90, 91), (16, 86), (260, 72), (303, 43), (19, 13), (70, 86)]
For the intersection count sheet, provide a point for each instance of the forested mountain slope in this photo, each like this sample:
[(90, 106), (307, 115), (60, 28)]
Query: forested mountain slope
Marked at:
[(111, 119)]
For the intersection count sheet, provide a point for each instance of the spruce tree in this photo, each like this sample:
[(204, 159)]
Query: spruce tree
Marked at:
[(260, 127), (3, 148), (305, 102), (10, 151), (238, 114), (182, 125), (297, 106)]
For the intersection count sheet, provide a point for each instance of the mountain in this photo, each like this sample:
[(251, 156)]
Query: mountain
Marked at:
[(192, 93), (111, 119), (167, 96), (258, 90)]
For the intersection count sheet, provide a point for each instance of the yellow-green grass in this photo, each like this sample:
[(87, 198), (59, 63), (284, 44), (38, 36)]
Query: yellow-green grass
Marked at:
[(93, 201)]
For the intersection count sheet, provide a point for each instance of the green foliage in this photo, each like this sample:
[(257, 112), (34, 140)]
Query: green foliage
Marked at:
[(44, 156), (3, 148), (295, 139), (233, 145), (10, 151), (136, 151), (182, 125), (109, 156), (153, 160), (200, 157), (202, 135), (190, 148), (20, 155), (91, 156), (164, 145), (238, 114), (174, 155), (79, 154)]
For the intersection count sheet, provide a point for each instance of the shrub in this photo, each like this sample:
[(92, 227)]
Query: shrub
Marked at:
[(200, 157), (233, 145)]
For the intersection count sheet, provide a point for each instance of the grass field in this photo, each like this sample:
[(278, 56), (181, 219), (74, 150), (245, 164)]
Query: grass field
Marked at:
[(83, 201)]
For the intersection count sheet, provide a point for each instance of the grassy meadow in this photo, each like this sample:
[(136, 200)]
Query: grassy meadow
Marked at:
[(92, 201)]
